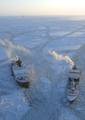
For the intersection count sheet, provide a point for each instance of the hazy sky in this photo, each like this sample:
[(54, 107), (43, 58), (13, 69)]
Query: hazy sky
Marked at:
[(42, 7)]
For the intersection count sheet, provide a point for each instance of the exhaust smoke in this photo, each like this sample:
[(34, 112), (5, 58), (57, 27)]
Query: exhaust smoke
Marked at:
[(63, 58), (12, 49)]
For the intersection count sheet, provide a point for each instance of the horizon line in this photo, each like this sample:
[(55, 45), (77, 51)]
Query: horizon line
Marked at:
[(40, 15)]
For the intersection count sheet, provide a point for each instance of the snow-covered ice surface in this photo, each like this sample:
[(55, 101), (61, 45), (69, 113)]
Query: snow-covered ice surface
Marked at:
[(32, 38)]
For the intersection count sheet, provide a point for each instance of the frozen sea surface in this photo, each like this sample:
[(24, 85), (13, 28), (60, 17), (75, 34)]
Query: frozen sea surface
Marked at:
[(32, 38)]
